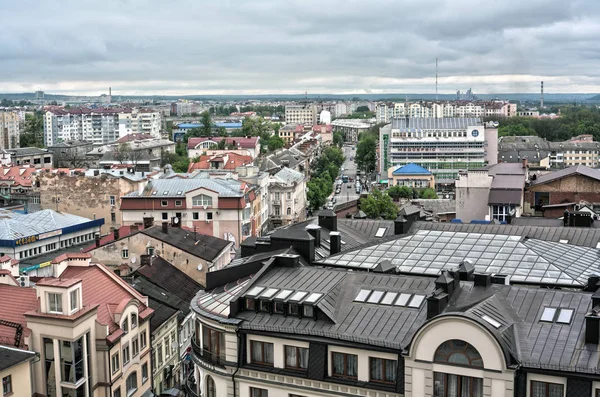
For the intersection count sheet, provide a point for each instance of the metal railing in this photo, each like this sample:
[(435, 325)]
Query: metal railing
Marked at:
[(190, 386), (207, 355)]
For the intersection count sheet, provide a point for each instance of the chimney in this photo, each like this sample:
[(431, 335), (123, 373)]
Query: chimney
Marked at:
[(524, 162), (566, 218), (401, 225), (116, 233), (466, 270), (133, 229), (148, 222), (502, 279), (335, 243), (482, 280), (145, 260), (97, 237), (288, 260), (592, 328), (596, 298), (447, 282), (165, 227), (328, 220), (436, 303), (315, 231)]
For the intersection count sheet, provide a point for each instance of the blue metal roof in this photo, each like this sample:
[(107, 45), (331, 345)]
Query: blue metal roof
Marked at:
[(411, 169), (187, 126)]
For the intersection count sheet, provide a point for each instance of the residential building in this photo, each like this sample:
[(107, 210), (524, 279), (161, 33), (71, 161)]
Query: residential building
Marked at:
[(494, 192), (89, 327), (215, 207), (291, 158), (326, 133), (30, 235), (36, 157), (17, 187), (225, 161), (182, 128), (303, 113), (549, 195), (443, 146), (94, 194), (193, 253), (410, 175), (10, 129), (259, 182), (579, 150), (351, 128), (288, 197), (98, 125), (71, 154), (289, 132), (249, 146), (15, 371)]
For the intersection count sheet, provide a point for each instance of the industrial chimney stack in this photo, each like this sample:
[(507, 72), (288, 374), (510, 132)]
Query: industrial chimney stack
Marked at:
[(542, 97)]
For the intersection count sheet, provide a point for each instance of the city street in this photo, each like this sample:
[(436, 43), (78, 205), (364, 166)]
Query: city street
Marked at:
[(348, 191)]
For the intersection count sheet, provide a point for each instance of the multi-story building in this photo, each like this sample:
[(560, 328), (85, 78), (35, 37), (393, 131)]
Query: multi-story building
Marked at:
[(249, 146), (33, 156), (385, 112), (98, 125), (215, 207), (443, 146), (89, 327), (303, 113), (139, 152), (288, 197), (17, 187), (350, 128), (10, 127), (15, 371), (289, 132)]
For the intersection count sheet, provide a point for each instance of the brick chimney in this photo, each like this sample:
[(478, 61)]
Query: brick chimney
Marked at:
[(165, 227), (525, 162), (335, 243)]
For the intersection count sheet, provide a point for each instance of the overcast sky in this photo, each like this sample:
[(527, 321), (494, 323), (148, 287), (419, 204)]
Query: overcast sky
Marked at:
[(183, 47)]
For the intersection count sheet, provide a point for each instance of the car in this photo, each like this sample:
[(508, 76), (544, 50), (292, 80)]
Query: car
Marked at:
[(338, 191), (342, 169), (348, 186), (333, 200)]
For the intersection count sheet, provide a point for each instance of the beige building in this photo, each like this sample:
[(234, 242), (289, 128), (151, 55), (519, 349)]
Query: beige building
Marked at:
[(10, 127), (410, 175), (89, 326), (287, 189), (92, 194), (15, 371), (305, 114)]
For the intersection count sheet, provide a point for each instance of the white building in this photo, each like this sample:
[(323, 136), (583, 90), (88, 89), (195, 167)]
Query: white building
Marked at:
[(385, 112), (288, 197), (325, 117), (98, 125), (305, 114), (443, 146), (10, 127), (351, 128)]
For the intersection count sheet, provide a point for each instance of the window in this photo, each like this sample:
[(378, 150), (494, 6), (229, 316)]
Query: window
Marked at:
[(261, 353), (344, 365), (115, 362), (131, 383), (545, 389), (277, 196), (202, 200), (195, 216), (135, 347), (382, 370), (126, 355), (278, 307), (165, 216), (164, 203), (173, 342), (501, 212), (296, 357), (74, 297), (177, 203), (143, 339), (211, 389), (150, 251), (125, 253), (449, 385), (117, 392), (458, 352), (250, 304), (213, 342), (72, 360), (7, 385), (256, 392), (55, 303), (112, 200), (294, 309), (264, 306), (159, 350), (307, 311), (289, 211), (113, 217), (134, 320), (125, 325), (209, 216), (144, 373)]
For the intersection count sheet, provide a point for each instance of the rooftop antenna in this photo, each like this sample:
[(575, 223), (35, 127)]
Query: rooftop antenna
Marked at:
[(436, 79), (542, 96)]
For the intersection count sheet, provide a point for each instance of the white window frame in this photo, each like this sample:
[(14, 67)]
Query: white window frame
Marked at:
[(125, 253), (74, 294), (51, 296)]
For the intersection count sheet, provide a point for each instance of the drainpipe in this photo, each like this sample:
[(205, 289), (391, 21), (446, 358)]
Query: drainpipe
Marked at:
[(237, 368)]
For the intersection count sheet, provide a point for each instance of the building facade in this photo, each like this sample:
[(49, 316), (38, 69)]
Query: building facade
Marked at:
[(350, 128), (15, 371), (288, 197), (385, 112), (410, 175), (10, 128), (245, 146), (32, 156), (304, 114)]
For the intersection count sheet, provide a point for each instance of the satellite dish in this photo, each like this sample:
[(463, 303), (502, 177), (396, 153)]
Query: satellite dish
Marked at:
[(133, 259), (175, 220), (199, 267)]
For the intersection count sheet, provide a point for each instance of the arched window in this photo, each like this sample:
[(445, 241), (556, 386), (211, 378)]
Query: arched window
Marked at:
[(458, 352), (289, 211), (211, 390), (202, 199)]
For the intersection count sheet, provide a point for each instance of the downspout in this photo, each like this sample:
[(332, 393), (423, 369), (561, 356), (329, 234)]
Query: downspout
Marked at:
[(237, 368)]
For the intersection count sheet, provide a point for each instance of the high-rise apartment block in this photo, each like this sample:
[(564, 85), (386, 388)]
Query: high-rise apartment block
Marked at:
[(305, 113), (385, 112), (98, 125), (10, 124)]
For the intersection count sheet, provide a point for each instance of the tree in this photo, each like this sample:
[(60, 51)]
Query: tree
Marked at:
[(378, 204), (362, 109), (122, 153), (275, 142), (316, 193), (338, 139), (33, 131), (397, 192), (221, 131), (366, 157), (428, 193), (221, 144)]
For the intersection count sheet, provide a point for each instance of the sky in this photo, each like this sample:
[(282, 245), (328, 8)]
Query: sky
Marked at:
[(187, 47)]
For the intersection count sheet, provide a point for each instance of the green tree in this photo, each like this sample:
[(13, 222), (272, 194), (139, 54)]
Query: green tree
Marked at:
[(275, 142), (181, 165), (428, 193), (33, 131), (221, 131), (315, 194), (122, 153), (378, 204), (398, 192), (366, 156), (338, 139), (362, 109)]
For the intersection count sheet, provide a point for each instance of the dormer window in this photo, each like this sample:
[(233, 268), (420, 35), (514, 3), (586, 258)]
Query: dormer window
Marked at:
[(307, 311), (294, 309), (125, 325), (134, 320), (250, 305), (264, 306), (55, 303), (74, 300)]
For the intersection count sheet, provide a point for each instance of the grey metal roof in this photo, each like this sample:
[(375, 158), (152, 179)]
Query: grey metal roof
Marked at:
[(179, 187), (505, 196), (288, 175), (14, 225), (200, 245), (10, 356), (571, 171), (27, 151), (431, 123)]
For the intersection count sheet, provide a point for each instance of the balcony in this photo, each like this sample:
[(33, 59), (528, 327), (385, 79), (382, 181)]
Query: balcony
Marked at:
[(208, 356), (190, 386)]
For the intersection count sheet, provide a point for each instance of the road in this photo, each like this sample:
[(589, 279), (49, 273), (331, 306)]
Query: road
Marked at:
[(348, 191)]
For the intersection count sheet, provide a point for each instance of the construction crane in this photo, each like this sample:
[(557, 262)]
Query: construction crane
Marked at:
[(18, 330)]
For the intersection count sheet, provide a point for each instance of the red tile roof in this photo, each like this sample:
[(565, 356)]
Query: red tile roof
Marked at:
[(70, 255), (58, 282), (323, 128), (14, 302), (16, 176), (246, 143), (231, 160)]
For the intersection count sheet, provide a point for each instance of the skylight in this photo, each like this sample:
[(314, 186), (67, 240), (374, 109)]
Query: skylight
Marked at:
[(312, 298), (491, 321), (255, 291), (416, 301), (564, 316), (298, 296), (179, 193), (284, 293), (269, 292), (165, 192), (362, 295), (564, 241), (389, 297), (375, 297), (403, 299), (548, 314), (380, 232)]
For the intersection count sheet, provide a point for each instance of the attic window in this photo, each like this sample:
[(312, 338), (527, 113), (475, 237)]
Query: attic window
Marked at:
[(269, 292), (564, 241), (165, 192), (284, 293), (362, 295), (154, 193), (298, 296), (565, 316), (416, 301), (389, 297), (179, 193), (312, 298), (255, 291), (548, 314), (403, 299), (491, 321), (380, 232), (375, 297)]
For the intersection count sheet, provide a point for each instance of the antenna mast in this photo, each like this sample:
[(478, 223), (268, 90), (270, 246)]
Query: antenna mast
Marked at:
[(436, 79)]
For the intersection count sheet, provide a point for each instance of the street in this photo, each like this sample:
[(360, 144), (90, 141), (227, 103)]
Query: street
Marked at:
[(348, 191)]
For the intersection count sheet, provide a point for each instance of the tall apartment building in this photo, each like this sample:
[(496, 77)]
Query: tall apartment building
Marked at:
[(98, 125), (385, 112), (10, 125), (441, 145), (304, 113)]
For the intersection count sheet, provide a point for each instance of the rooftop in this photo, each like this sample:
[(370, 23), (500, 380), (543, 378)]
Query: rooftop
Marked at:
[(14, 225), (246, 143), (160, 188), (432, 123), (592, 173), (411, 169), (10, 356)]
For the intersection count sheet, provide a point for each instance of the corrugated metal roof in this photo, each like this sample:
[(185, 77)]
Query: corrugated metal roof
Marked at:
[(14, 225), (431, 123), (179, 187)]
